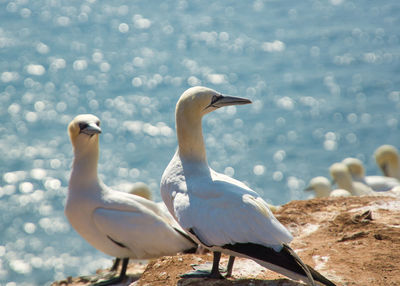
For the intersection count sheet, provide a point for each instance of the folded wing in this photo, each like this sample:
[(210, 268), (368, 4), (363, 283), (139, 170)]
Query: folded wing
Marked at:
[(144, 234)]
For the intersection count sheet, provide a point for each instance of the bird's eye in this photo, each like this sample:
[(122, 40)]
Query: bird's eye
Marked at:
[(215, 98), (83, 125), (98, 123)]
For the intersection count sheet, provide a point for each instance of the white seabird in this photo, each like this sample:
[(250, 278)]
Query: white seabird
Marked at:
[(387, 158), (138, 188), (322, 188), (217, 211), (117, 223), (141, 189), (376, 183), (341, 175)]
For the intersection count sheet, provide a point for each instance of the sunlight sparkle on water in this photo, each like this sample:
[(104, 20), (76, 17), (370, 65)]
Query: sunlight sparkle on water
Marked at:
[(320, 93)]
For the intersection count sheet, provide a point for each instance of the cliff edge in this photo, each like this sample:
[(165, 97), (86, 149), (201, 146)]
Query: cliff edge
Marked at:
[(351, 241)]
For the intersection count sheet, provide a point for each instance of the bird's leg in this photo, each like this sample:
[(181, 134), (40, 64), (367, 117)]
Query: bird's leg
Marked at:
[(115, 265), (122, 275), (118, 279), (230, 266), (203, 271), (215, 268)]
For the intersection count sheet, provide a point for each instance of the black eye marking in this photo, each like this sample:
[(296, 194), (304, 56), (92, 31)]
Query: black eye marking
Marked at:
[(83, 125), (98, 123), (215, 98)]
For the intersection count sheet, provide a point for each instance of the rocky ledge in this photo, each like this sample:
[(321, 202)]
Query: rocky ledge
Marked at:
[(352, 241)]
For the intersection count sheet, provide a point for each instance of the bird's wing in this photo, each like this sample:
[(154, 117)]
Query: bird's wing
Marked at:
[(223, 212), (146, 235), (381, 184)]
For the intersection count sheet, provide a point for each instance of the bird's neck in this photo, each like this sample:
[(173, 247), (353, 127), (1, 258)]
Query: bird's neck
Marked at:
[(346, 183), (190, 138), (84, 167), (394, 171), (322, 192)]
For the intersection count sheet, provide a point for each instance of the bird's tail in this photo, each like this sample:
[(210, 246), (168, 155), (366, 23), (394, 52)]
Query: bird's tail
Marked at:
[(303, 266), (285, 261), (193, 248), (318, 277)]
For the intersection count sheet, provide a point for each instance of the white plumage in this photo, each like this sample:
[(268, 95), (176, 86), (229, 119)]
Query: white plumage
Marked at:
[(220, 212), (323, 188), (341, 175), (117, 223), (218, 207), (387, 158), (376, 183)]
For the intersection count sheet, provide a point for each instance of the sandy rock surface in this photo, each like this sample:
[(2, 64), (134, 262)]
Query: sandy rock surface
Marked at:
[(352, 241)]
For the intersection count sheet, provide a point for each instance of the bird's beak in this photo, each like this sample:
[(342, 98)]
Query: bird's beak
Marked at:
[(222, 101), (309, 188), (91, 129)]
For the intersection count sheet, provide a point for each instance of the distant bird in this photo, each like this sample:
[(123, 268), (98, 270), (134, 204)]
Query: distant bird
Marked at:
[(387, 158), (217, 211), (140, 189), (323, 188), (117, 223), (341, 175), (377, 183), (273, 208)]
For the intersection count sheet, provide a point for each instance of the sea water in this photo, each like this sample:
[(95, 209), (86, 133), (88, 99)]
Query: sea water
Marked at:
[(324, 78)]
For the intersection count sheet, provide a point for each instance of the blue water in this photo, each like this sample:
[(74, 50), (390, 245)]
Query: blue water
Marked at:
[(324, 78)]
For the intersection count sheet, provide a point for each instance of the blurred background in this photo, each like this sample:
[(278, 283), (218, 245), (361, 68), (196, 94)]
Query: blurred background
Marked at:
[(324, 78)]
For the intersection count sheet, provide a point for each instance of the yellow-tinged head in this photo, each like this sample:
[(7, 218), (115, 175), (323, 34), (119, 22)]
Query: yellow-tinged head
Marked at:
[(321, 186), (141, 189), (387, 158), (355, 166), (193, 104), (341, 175), (83, 130), (199, 100)]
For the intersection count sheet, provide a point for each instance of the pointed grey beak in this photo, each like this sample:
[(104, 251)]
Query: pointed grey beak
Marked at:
[(90, 129), (221, 101), (309, 188)]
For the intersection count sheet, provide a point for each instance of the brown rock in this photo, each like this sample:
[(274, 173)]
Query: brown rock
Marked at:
[(352, 241)]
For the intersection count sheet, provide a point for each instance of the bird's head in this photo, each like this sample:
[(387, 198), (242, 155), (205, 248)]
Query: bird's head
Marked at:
[(320, 185), (340, 173), (355, 166), (387, 156), (83, 131), (198, 101), (318, 182)]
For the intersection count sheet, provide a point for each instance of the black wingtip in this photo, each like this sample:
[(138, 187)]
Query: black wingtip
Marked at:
[(320, 278), (286, 258)]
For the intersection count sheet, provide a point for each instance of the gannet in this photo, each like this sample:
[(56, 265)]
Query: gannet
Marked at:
[(387, 158), (217, 211), (341, 175), (117, 223), (138, 188), (376, 183), (323, 188), (141, 189)]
